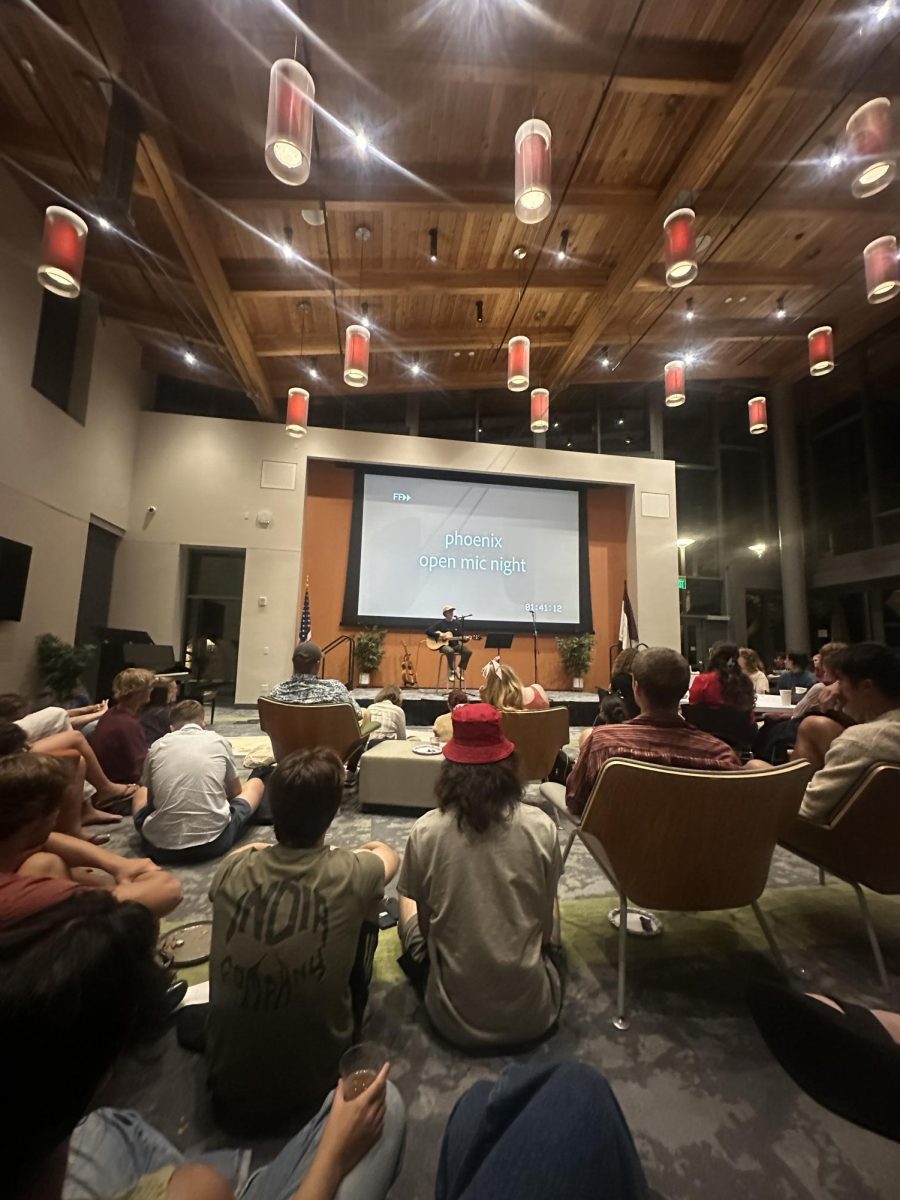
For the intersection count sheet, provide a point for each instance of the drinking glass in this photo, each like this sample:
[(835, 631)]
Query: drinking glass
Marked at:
[(359, 1067)]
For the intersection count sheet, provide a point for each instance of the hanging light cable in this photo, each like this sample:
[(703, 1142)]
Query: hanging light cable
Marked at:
[(356, 343), (540, 396), (297, 417)]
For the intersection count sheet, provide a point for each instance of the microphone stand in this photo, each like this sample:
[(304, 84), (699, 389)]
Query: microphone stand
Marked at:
[(534, 642), (462, 645)]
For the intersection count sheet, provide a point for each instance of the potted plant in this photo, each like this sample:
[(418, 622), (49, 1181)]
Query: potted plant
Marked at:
[(368, 646), (60, 665), (576, 653)]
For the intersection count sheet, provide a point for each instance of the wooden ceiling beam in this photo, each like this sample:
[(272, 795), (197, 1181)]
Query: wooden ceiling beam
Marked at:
[(191, 235), (791, 29), (262, 278)]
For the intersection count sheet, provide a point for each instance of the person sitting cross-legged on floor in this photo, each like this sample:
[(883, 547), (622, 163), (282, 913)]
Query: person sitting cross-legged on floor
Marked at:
[(443, 724), (478, 915), (37, 864), (194, 807), (387, 710), (118, 740), (659, 735), (82, 960), (292, 948)]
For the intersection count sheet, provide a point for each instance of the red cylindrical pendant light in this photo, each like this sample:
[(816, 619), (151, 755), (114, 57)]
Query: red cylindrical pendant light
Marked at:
[(756, 407), (674, 375), (869, 136), (532, 171), (356, 356), (297, 412), (882, 269), (289, 124), (540, 410), (681, 247), (517, 363), (821, 350), (62, 252)]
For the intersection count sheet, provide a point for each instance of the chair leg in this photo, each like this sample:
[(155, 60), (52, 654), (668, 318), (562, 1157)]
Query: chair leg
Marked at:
[(569, 844), (873, 936), (622, 1020), (770, 938)]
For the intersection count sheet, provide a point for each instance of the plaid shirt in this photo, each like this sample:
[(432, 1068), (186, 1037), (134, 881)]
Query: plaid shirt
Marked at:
[(667, 743), (310, 689)]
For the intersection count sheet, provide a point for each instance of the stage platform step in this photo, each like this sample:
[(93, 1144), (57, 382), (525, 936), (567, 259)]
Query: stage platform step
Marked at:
[(424, 705)]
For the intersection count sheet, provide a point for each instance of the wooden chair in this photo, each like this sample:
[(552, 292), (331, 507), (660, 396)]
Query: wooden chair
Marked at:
[(305, 726), (539, 736), (690, 841), (858, 844)]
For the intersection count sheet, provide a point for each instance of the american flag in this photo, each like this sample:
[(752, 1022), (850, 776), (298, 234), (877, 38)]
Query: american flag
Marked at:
[(628, 630), (305, 621)]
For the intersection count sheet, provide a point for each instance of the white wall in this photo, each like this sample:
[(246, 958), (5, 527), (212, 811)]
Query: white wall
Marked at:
[(203, 476), (54, 471)]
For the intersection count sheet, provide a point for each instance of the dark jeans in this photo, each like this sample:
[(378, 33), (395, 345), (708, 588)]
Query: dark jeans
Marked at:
[(450, 652), (540, 1131), (241, 813)]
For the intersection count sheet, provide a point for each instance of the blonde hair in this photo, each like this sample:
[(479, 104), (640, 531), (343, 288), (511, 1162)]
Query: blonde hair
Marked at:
[(131, 680), (503, 689)]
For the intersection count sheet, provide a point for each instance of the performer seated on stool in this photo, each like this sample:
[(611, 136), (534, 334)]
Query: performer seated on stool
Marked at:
[(450, 629)]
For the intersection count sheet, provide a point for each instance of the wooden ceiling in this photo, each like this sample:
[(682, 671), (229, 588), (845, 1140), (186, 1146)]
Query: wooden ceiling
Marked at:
[(651, 103)]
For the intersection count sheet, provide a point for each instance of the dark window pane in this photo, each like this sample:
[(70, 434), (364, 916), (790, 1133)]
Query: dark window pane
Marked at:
[(695, 493), (625, 429), (886, 439), (688, 432), (743, 499), (842, 512)]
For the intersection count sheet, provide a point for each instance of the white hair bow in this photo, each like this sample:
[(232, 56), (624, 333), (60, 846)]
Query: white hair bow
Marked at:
[(493, 665)]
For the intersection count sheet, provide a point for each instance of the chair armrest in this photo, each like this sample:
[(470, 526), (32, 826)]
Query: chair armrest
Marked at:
[(556, 794)]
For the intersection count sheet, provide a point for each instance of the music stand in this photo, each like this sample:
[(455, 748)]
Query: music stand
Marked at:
[(498, 641)]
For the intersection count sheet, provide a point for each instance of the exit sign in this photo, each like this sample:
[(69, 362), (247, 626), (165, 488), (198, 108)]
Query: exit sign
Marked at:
[(682, 583)]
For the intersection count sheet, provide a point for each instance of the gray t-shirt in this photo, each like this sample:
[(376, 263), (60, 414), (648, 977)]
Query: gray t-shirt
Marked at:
[(490, 896), (186, 773)]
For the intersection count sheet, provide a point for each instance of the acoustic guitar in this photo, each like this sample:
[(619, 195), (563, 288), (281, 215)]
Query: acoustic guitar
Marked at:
[(443, 639)]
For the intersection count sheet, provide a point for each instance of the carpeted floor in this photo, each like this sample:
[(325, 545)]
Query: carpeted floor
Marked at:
[(712, 1114)]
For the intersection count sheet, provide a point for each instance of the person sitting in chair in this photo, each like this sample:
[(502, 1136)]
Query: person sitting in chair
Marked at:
[(305, 686), (449, 630)]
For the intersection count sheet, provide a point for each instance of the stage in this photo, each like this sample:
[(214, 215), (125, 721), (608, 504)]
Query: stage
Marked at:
[(423, 705)]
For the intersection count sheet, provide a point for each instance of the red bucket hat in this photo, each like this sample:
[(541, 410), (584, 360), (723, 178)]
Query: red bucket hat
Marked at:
[(477, 736)]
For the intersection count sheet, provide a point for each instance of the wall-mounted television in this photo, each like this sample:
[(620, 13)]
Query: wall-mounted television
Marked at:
[(15, 559)]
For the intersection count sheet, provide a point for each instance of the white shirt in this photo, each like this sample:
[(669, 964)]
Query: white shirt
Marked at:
[(851, 754), (186, 773), (44, 723), (391, 718)]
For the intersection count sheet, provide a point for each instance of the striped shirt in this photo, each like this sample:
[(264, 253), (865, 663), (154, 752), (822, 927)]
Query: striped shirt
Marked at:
[(669, 742)]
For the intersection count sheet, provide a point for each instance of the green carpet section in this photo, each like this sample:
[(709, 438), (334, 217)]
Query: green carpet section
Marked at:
[(804, 920)]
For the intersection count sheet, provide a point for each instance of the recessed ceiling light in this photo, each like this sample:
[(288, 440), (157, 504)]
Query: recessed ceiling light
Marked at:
[(189, 358), (456, 353), (556, 424), (689, 310), (742, 299), (728, 299), (604, 357), (364, 320), (360, 141), (780, 312), (519, 252), (104, 224), (471, 354), (432, 243), (313, 370), (688, 358), (563, 245)]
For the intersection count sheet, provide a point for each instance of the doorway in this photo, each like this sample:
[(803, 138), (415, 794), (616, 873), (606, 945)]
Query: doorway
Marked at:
[(212, 618)]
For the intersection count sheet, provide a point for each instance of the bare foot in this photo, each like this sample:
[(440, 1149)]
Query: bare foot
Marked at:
[(96, 816)]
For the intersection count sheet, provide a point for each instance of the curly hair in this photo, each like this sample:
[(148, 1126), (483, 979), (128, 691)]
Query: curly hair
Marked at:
[(752, 662), (737, 687), (80, 983), (479, 794)]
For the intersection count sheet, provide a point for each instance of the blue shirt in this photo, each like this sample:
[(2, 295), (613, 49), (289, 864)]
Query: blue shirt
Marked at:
[(310, 689)]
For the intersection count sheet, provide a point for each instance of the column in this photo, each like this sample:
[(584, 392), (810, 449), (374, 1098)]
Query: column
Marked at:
[(790, 519)]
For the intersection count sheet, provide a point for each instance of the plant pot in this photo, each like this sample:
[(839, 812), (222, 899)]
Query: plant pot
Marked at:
[(578, 684), (364, 679)]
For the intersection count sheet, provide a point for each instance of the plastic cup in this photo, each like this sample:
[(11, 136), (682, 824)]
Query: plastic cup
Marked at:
[(786, 696), (359, 1068)]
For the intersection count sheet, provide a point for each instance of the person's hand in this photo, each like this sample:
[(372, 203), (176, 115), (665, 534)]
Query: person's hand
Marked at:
[(101, 708), (354, 1126)]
